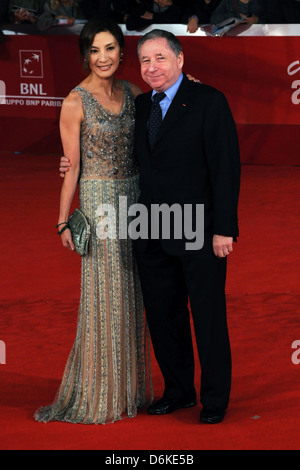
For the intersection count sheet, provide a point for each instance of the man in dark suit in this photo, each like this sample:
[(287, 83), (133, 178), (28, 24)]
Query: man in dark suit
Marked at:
[(192, 160)]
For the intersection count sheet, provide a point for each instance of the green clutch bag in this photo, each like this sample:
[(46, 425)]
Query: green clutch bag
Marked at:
[(80, 231)]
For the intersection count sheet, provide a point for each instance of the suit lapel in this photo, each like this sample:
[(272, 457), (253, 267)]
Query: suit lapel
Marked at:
[(143, 116)]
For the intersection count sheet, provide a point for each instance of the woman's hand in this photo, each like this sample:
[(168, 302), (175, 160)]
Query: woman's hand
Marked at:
[(66, 239)]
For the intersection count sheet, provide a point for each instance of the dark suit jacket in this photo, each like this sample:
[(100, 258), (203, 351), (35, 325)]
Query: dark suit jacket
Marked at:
[(195, 159)]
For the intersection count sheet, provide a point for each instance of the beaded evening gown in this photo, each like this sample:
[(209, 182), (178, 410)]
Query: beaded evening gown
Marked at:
[(107, 375)]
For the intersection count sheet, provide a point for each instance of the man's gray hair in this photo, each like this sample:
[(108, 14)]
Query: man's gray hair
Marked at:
[(172, 40)]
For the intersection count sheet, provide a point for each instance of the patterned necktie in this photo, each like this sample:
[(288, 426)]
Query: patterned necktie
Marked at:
[(155, 118)]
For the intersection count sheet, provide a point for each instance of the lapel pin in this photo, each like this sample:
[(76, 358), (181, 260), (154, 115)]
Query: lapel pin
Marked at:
[(183, 104)]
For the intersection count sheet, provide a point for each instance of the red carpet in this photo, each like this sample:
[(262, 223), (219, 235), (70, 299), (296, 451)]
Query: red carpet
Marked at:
[(40, 283)]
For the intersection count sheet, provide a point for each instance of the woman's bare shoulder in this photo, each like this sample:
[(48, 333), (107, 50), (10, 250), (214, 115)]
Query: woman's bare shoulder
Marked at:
[(72, 100), (72, 104)]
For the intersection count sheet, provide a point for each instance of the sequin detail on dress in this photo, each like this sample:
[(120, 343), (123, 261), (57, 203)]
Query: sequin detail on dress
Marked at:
[(107, 375)]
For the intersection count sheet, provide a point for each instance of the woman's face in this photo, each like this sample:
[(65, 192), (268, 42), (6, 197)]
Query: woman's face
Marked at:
[(104, 56)]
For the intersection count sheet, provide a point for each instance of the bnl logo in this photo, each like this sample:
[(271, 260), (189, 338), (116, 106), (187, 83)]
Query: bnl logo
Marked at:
[(31, 64), (2, 352)]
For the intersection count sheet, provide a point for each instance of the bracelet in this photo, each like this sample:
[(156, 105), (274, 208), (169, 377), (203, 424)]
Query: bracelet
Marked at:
[(63, 229)]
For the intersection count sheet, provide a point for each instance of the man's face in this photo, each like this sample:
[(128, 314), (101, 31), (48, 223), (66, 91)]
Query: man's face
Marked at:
[(160, 68)]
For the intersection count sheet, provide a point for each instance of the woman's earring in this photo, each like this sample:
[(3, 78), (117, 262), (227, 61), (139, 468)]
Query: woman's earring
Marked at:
[(121, 58)]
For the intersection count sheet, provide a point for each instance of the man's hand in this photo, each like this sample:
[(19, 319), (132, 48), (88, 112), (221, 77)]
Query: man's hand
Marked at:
[(222, 246), (64, 166)]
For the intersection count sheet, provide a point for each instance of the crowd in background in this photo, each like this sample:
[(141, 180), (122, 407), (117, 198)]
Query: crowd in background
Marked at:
[(139, 14)]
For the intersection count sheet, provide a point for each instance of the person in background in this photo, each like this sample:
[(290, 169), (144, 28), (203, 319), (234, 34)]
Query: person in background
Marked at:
[(271, 12), (249, 10), (3, 13), (24, 11), (279, 12), (198, 12), (116, 9), (154, 12), (290, 11), (60, 13), (90, 8)]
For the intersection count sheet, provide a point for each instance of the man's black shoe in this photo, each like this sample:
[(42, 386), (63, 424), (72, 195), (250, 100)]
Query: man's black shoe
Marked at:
[(212, 415), (165, 406)]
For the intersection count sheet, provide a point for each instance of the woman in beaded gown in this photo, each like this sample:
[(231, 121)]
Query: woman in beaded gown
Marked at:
[(107, 375)]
